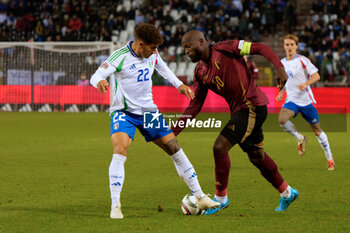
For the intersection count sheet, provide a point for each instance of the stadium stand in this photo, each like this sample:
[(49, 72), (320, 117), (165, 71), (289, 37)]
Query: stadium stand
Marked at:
[(324, 36)]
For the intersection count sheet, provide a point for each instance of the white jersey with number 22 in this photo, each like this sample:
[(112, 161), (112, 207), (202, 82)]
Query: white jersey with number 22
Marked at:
[(132, 79)]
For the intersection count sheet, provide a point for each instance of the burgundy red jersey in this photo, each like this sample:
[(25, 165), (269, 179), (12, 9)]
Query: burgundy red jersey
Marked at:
[(226, 74)]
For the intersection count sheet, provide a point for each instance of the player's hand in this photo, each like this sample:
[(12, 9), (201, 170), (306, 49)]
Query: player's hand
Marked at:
[(102, 86), (279, 97), (185, 90), (302, 86), (281, 78)]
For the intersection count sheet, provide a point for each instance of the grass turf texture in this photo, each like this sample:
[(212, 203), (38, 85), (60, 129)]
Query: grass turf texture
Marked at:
[(54, 178)]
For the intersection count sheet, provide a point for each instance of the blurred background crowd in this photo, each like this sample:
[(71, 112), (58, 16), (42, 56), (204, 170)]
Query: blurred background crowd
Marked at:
[(323, 26)]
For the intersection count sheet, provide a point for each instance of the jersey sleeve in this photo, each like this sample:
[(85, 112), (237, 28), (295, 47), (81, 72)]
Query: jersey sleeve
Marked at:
[(238, 47), (308, 66), (166, 73), (113, 64), (241, 47), (263, 50)]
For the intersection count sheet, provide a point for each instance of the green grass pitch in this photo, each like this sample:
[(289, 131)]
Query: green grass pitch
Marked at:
[(54, 178)]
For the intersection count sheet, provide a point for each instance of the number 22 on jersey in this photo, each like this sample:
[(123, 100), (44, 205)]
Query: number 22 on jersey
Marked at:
[(143, 75)]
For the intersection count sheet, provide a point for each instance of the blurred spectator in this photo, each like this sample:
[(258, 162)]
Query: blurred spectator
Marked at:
[(252, 66), (83, 80), (327, 68), (291, 15), (102, 57), (75, 24), (139, 18), (326, 28), (270, 16)]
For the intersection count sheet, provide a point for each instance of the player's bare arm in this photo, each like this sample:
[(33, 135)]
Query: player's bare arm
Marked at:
[(314, 78), (102, 86), (281, 78), (185, 90), (279, 97)]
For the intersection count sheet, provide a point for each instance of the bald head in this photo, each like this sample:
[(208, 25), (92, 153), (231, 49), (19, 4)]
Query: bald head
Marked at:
[(192, 36), (195, 45)]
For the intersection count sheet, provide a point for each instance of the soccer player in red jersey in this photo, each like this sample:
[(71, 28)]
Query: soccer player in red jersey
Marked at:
[(222, 69)]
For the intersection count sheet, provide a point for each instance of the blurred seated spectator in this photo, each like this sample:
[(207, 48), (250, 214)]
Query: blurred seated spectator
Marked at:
[(83, 80)]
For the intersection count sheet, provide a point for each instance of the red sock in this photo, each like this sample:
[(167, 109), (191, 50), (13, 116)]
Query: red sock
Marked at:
[(269, 171), (222, 171)]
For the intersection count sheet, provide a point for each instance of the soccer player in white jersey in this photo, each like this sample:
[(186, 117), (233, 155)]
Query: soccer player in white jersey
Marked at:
[(130, 68), (301, 74)]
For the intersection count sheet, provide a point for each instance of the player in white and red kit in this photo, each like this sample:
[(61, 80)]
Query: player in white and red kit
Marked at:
[(301, 74)]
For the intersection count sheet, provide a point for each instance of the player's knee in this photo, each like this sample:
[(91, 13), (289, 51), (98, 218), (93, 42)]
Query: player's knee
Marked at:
[(256, 157), (282, 121), (218, 148), (120, 149), (317, 132), (171, 147)]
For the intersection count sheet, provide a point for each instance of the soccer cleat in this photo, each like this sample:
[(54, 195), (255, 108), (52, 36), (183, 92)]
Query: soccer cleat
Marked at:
[(205, 202), (302, 146), (214, 210), (285, 202), (116, 212), (331, 165)]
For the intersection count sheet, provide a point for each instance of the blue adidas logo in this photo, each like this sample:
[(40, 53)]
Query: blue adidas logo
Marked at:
[(193, 175), (132, 67), (116, 184)]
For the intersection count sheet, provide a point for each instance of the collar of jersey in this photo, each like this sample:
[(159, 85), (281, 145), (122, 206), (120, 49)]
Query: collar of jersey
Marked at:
[(131, 50), (296, 55)]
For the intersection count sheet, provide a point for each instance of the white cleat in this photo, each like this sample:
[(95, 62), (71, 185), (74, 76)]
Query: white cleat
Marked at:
[(205, 202), (116, 212)]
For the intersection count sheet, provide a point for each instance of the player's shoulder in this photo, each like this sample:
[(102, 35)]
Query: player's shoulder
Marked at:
[(305, 61), (302, 58), (119, 54), (284, 60), (225, 44)]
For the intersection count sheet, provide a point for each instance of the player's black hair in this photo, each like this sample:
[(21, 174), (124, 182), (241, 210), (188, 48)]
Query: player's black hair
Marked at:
[(148, 33)]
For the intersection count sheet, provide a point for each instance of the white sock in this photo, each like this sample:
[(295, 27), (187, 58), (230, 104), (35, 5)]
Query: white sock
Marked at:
[(221, 199), (186, 171), (286, 192), (116, 177), (323, 140), (290, 128)]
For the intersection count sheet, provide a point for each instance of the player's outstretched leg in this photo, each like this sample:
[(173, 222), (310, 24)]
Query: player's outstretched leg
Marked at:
[(186, 171), (116, 180), (269, 171)]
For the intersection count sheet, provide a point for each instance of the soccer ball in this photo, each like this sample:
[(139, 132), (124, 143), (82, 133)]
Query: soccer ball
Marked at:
[(189, 205)]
